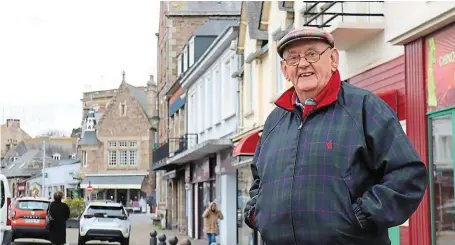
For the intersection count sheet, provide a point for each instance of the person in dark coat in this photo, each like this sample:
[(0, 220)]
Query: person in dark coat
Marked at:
[(59, 213), (333, 164)]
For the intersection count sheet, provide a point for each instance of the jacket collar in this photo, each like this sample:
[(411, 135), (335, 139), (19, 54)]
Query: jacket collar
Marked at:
[(326, 97)]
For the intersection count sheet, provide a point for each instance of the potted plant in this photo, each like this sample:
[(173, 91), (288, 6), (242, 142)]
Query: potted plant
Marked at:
[(77, 206)]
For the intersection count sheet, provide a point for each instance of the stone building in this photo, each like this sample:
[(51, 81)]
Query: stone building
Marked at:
[(178, 22), (11, 134), (116, 145)]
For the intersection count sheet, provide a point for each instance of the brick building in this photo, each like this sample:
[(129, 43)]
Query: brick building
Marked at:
[(11, 134)]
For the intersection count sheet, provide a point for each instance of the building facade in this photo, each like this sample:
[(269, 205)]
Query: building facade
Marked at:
[(116, 145), (178, 22)]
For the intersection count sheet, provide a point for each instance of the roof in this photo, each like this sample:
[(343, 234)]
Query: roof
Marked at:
[(89, 138), (105, 204), (215, 27), (141, 97), (253, 15)]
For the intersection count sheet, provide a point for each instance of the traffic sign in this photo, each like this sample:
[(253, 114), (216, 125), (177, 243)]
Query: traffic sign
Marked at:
[(89, 188)]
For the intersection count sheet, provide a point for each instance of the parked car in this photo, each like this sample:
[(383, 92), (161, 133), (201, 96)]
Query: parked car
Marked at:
[(5, 208), (104, 221), (28, 218)]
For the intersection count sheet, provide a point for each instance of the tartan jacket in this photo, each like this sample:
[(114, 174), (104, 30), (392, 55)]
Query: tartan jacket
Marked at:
[(341, 171)]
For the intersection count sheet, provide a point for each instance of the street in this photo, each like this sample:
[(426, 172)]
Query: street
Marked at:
[(140, 233)]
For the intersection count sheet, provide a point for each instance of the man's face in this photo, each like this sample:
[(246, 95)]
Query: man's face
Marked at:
[(306, 77)]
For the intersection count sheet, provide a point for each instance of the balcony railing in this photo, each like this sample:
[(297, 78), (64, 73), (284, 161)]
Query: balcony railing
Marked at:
[(326, 13), (161, 152), (181, 144)]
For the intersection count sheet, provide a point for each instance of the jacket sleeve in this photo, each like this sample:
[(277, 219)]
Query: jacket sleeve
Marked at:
[(250, 207), (205, 214), (401, 175), (220, 215)]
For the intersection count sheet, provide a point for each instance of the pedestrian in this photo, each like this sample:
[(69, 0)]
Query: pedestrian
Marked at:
[(58, 214), (211, 216), (333, 164)]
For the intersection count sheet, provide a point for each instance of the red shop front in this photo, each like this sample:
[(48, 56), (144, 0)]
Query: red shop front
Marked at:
[(430, 111)]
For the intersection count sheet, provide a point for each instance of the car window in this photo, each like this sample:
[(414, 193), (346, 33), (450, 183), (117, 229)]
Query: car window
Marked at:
[(2, 191), (32, 205), (109, 211)]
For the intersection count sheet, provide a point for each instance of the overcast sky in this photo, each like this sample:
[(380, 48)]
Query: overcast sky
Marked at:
[(52, 51)]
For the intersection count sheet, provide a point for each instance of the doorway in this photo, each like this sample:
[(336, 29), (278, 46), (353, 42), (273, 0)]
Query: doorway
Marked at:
[(201, 209), (121, 196), (441, 168)]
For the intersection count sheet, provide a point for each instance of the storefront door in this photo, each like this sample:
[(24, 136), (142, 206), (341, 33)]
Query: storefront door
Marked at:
[(441, 126)]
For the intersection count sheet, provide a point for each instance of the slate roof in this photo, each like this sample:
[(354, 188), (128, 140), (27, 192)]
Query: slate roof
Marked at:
[(141, 97), (253, 15), (89, 138), (215, 27), (30, 156)]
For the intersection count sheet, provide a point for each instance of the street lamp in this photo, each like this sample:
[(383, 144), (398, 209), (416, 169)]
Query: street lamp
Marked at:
[(44, 169)]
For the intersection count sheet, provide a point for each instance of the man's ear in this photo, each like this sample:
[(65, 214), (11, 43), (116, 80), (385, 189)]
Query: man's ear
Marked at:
[(335, 59), (284, 69)]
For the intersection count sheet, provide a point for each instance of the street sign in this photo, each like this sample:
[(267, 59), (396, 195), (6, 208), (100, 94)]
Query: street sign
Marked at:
[(89, 188)]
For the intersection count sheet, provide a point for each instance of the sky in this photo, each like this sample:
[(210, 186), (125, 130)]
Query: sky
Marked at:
[(51, 51)]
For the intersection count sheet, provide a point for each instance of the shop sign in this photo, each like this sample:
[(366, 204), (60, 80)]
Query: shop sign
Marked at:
[(440, 69)]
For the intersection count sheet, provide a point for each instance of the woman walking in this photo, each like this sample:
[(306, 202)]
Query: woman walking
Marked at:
[(58, 214), (211, 216)]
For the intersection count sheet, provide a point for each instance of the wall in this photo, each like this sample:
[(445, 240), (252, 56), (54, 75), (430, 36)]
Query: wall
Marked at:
[(211, 100), (11, 132), (385, 77)]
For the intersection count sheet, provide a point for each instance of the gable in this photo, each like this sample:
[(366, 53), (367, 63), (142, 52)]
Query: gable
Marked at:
[(134, 121)]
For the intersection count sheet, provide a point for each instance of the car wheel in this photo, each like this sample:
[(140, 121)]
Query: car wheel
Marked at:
[(125, 241), (80, 240)]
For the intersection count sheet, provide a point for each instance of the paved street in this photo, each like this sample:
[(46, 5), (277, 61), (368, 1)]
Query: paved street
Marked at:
[(140, 233)]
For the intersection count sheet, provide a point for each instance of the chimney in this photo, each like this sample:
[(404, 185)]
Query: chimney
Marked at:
[(13, 123)]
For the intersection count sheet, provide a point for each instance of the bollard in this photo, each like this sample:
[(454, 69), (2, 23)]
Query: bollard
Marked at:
[(173, 241), (153, 235), (186, 242), (162, 239)]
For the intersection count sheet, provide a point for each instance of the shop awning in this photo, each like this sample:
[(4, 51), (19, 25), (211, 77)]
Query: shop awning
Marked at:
[(247, 145), (165, 166), (391, 98), (113, 182)]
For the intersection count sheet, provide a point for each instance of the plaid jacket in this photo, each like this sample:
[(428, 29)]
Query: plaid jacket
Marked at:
[(339, 172)]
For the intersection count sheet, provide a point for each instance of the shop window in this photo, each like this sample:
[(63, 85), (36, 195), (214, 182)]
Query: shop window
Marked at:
[(443, 204)]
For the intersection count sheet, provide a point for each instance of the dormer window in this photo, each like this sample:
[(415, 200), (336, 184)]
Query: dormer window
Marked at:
[(179, 65), (191, 51), (56, 156), (185, 58)]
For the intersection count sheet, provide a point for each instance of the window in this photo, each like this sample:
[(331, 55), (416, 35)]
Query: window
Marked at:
[(191, 51), (279, 76), (123, 143), (56, 156), (14, 159), (210, 99), (200, 110), (179, 65), (132, 158), (84, 159), (123, 157), (227, 92), (122, 109), (32, 205), (220, 102), (112, 143), (207, 104), (133, 143), (185, 58), (251, 88), (112, 158), (116, 211)]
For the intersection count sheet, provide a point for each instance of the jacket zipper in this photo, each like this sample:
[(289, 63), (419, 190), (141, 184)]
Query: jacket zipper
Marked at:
[(295, 164)]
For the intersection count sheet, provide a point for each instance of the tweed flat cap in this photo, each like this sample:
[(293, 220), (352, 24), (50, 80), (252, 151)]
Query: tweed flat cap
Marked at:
[(299, 33)]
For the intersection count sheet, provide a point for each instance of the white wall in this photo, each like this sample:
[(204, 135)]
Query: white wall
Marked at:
[(212, 100), (58, 176)]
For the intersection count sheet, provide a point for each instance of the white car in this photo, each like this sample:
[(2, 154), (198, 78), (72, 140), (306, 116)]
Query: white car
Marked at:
[(5, 211), (104, 221)]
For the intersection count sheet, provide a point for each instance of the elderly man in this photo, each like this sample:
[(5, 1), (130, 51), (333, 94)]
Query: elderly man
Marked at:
[(333, 165)]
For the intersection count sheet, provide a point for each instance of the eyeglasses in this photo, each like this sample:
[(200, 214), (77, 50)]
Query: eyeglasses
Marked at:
[(311, 56)]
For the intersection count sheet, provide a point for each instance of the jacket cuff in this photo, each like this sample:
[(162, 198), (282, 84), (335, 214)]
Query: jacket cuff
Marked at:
[(250, 215), (361, 217)]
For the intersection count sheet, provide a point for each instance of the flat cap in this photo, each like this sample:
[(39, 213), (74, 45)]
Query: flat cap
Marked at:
[(309, 33)]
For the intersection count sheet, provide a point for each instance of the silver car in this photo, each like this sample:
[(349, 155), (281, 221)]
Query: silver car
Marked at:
[(104, 221)]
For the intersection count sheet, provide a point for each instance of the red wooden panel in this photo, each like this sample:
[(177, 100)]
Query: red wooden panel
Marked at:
[(385, 77), (176, 95), (419, 223), (404, 235)]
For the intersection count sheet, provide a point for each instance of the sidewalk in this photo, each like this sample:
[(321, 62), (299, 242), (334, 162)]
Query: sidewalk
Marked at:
[(180, 237)]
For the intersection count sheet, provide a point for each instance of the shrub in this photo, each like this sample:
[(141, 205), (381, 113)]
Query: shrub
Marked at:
[(76, 206)]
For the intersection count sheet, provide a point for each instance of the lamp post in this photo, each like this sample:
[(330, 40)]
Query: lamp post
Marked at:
[(44, 169)]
